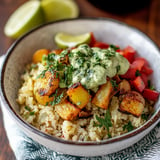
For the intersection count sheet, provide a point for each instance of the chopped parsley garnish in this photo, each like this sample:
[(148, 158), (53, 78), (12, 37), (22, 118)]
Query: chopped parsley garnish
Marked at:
[(150, 86), (128, 126), (42, 74), (144, 116), (137, 73), (47, 103), (106, 122), (68, 75), (78, 103), (27, 108), (114, 47), (114, 84), (99, 64), (57, 98), (110, 53), (118, 68), (55, 67), (32, 113)]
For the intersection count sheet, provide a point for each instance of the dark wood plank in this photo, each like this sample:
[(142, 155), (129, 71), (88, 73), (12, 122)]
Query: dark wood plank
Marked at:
[(146, 19)]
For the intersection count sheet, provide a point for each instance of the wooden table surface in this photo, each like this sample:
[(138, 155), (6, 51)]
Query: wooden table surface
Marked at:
[(146, 19)]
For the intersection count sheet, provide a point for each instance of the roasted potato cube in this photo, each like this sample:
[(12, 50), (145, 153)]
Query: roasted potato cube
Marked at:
[(132, 102), (78, 95), (124, 86), (47, 85), (67, 111), (103, 95), (57, 51), (43, 100), (37, 56)]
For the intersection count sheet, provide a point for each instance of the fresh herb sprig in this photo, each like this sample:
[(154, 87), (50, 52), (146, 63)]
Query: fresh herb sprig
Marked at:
[(114, 84), (29, 110), (106, 122), (114, 47), (145, 116), (57, 98), (63, 71), (150, 86), (137, 73), (128, 126)]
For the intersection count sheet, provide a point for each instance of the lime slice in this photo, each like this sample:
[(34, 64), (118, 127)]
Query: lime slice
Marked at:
[(26, 17), (64, 40), (59, 9)]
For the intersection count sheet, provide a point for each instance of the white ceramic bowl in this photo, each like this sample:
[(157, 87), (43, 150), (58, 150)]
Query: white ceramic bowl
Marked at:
[(107, 30)]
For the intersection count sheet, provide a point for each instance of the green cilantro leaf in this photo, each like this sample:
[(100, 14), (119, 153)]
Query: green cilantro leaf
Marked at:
[(137, 73), (114, 47), (144, 116), (128, 126), (57, 98), (32, 113), (114, 84), (27, 108), (118, 68), (150, 86), (106, 122)]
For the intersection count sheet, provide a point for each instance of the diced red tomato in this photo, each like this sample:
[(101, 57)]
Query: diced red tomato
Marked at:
[(146, 70), (130, 74), (119, 50), (139, 84), (93, 40), (131, 83), (73, 48), (150, 94), (141, 58), (145, 79), (128, 53), (138, 64), (101, 45)]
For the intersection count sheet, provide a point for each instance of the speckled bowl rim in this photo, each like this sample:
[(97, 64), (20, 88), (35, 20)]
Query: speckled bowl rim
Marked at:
[(154, 118)]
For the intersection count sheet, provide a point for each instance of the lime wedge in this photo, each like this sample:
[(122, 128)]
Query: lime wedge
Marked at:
[(64, 40), (26, 17), (59, 9)]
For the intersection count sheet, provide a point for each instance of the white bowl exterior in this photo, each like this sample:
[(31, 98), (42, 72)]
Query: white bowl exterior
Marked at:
[(107, 31)]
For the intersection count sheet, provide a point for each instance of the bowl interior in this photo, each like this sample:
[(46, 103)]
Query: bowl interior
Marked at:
[(106, 30)]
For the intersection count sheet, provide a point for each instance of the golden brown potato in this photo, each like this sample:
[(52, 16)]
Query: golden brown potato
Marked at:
[(124, 86), (43, 100), (78, 95), (67, 111), (37, 56), (57, 51), (47, 85), (132, 102), (103, 95)]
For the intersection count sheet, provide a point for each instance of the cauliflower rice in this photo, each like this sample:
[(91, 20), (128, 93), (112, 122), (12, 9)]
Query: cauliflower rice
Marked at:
[(46, 119)]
